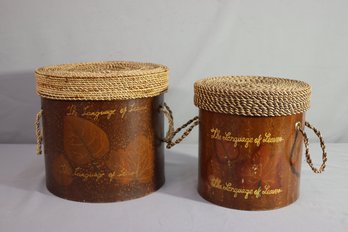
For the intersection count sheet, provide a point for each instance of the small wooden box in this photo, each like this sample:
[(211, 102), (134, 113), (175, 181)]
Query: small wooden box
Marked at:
[(249, 148)]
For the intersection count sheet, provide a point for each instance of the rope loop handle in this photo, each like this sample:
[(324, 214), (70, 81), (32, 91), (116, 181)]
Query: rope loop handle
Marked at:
[(171, 132), (306, 143), (38, 133)]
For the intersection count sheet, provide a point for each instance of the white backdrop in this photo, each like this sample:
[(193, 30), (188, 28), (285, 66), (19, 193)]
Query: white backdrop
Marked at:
[(305, 40)]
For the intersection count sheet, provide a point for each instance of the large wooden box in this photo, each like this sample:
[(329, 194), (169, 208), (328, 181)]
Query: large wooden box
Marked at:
[(103, 129)]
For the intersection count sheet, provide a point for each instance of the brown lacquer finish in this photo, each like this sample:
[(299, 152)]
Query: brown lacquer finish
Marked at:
[(103, 151), (249, 163)]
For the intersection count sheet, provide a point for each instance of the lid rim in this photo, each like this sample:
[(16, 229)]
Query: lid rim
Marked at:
[(71, 70), (258, 96), (63, 82)]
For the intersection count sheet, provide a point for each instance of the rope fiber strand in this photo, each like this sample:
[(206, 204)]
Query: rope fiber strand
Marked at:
[(38, 133), (306, 143), (171, 133)]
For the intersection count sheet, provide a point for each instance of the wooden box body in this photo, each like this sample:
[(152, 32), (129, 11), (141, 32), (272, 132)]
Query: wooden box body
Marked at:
[(249, 163), (103, 151)]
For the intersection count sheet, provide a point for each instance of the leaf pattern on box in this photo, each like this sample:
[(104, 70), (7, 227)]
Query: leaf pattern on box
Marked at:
[(62, 171), (225, 151), (84, 141), (262, 168), (134, 163)]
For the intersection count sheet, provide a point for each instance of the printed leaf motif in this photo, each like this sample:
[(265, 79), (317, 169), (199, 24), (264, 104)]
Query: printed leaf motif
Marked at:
[(225, 151), (214, 168), (84, 141), (225, 155), (62, 171), (261, 169), (134, 163), (118, 162)]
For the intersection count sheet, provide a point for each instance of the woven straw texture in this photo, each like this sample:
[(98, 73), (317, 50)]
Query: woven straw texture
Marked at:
[(252, 95), (113, 80)]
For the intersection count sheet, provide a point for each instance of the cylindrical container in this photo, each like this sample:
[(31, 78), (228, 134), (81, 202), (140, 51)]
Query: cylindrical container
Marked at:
[(250, 143), (102, 129)]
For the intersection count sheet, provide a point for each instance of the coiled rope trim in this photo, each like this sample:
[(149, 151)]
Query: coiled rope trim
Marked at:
[(112, 80), (252, 95)]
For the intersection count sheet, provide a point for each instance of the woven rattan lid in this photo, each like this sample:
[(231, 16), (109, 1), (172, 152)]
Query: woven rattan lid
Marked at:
[(252, 96), (113, 80)]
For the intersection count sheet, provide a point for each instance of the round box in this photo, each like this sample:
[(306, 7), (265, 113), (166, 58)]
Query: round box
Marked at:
[(249, 146), (103, 129)]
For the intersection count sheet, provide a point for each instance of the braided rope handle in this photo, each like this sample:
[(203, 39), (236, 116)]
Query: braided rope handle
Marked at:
[(306, 143), (171, 132), (38, 133)]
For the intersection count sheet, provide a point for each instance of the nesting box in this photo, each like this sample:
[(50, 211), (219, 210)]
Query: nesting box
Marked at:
[(102, 129), (250, 140)]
